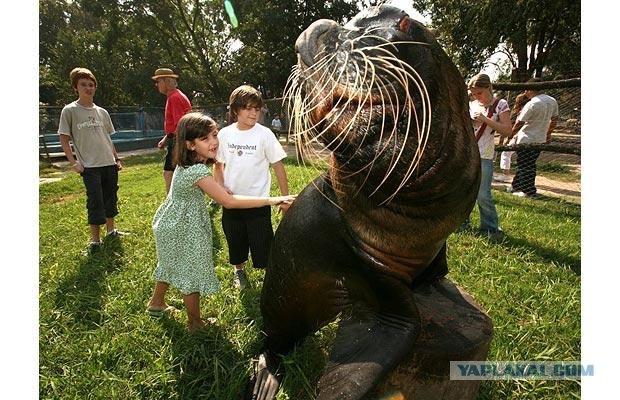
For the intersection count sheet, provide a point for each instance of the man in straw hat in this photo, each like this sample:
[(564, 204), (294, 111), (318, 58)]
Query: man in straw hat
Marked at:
[(177, 105)]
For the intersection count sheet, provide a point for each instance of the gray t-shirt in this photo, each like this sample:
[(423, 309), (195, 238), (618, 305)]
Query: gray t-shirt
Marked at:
[(90, 129)]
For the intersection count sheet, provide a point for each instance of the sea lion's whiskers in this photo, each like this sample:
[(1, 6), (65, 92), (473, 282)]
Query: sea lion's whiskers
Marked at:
[(423, 134), (359, 88), (400, 42), (316, 94), (421, 88), (409, 102), (393, 133), (378, 152)]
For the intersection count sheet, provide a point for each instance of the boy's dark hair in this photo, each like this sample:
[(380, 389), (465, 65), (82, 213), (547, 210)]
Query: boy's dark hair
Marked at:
[(244, 96), (81, 73), (191, 126)]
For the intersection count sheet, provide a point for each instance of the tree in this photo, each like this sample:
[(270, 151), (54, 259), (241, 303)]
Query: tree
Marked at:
[(124, 41), (268, 31), (539, 37)]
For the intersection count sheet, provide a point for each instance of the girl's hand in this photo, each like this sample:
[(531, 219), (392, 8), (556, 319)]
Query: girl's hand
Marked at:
[(119, 165), (275, 201), (480, 117)]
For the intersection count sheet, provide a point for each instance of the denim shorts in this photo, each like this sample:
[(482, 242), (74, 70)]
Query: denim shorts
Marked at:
[(101, 187)]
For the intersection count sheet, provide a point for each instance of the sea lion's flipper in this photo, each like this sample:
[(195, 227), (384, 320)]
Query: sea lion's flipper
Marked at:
[(266, 377), (370, 342)]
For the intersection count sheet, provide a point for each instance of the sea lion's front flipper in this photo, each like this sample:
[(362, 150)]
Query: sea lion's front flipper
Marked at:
[(371, 339), (266, 377)]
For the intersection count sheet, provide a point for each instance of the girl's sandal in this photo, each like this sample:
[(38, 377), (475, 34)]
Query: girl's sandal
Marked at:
[(157, 312)]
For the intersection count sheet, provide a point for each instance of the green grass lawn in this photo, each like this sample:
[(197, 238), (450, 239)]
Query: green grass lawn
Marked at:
[(96, 341)]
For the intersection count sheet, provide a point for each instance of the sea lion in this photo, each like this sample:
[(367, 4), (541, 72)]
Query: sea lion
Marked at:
[(384, 98)]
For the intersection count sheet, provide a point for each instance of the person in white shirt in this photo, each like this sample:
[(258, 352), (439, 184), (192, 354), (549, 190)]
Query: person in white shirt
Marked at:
[(276, 123), (534, 124), (489, 114), (245, 152)]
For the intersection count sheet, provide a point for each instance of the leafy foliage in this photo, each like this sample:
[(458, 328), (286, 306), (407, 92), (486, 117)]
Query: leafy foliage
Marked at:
[(123, 42), (539, 37)]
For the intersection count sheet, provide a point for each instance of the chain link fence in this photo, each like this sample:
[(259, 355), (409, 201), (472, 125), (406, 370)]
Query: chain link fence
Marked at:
[(558, 167), (141, 127)]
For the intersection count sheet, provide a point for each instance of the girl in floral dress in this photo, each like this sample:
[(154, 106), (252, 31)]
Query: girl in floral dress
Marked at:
[(182, 226)]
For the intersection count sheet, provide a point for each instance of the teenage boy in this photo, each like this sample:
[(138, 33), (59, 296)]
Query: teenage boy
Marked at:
[(245, 151), (89, 127), (177, 105)]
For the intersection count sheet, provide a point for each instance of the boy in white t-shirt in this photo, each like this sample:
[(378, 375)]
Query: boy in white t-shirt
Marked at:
[(246, 149)]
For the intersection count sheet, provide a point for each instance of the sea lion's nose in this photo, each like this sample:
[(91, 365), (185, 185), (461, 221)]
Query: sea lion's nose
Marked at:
[(306, 44)]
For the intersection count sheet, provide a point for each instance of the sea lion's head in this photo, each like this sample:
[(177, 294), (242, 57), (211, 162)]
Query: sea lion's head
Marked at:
[(382, 95)]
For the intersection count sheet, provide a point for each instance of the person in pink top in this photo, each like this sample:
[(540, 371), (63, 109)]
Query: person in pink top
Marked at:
[(177, 105)]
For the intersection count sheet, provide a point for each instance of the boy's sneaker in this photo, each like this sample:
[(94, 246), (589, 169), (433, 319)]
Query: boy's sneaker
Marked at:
[(241, 279)]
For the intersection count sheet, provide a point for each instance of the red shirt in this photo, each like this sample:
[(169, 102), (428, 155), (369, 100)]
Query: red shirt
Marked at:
[(177, 105)]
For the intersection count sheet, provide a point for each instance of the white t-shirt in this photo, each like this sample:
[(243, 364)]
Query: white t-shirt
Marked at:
[(536, 114), (90, 129), (486, 144), (246, 156)]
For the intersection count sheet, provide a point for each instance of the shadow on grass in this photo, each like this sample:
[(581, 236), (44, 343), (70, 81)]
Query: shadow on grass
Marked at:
[(80, 294), (206, 363), (302, 367), (547, 254)]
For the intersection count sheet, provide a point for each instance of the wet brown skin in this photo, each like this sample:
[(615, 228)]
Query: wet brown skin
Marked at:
[(355, 244)]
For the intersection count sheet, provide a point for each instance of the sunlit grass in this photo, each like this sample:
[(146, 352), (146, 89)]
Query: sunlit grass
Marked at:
[(97, 342)]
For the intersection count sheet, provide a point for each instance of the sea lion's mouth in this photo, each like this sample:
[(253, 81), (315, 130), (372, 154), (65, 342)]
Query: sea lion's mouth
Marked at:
[(356, 91), (345, 106)]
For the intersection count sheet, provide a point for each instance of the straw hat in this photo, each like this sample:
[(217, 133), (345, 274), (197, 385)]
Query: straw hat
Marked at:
[(164, 73)]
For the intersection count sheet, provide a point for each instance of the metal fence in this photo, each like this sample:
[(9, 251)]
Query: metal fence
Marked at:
[(138, 127), (559, 163)]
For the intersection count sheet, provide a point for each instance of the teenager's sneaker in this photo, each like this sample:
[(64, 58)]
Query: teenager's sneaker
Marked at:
[(519, 194), (93, 247), (241, 279), (116, 233)]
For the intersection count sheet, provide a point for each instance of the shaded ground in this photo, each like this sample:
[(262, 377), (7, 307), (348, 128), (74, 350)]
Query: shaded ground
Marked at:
[(546, 186)]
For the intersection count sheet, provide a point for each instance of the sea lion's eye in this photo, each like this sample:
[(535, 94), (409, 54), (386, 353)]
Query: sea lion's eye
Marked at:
[(404, 24)]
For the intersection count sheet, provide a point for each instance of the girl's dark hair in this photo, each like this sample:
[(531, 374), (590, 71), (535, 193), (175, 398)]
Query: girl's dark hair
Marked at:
[(191, 126)]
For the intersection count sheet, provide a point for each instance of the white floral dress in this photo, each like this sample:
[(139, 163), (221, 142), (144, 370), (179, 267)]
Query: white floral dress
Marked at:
[(183, 237)]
